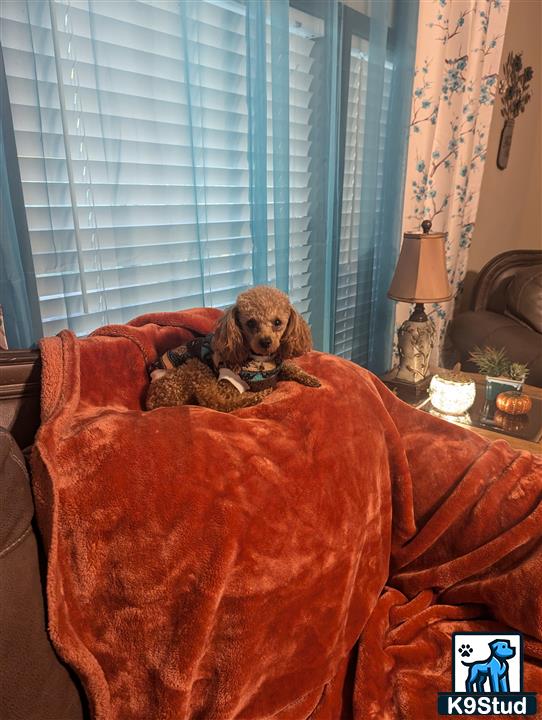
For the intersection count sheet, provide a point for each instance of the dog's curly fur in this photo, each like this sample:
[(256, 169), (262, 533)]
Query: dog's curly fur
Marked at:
[(262, 322)]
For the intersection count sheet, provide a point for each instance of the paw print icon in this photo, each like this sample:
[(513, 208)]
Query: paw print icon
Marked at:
[(465, 650)]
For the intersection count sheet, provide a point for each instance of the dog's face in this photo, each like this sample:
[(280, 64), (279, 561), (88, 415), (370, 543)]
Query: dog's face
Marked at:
[(502, 649), (262, 322), (263, 318)]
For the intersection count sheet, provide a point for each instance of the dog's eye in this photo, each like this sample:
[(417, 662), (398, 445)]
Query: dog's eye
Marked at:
[(277, 322), (252, 325)]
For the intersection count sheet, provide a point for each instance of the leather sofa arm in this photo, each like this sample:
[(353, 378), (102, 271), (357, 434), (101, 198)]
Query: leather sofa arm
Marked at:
[(20, 375), (35, 685), (490, 289)]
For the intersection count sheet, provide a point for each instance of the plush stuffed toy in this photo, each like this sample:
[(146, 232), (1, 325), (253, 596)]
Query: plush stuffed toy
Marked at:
[(241, 362)]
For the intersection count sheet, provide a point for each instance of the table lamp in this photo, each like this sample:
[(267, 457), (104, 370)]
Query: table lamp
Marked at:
[(420, 277)]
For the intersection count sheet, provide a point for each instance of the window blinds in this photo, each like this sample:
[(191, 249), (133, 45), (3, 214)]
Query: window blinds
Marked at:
[(134, 172)]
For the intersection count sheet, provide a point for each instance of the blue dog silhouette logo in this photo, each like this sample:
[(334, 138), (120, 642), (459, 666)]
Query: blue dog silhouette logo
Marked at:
[(494, 669), (487, 676)]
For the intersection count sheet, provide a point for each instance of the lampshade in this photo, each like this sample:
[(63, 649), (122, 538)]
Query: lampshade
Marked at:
[(420, 275)]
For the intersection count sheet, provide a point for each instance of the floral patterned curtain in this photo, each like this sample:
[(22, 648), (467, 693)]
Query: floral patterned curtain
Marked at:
[(457, 65)]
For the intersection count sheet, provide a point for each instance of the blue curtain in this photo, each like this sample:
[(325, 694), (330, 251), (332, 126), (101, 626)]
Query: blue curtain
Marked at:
[(180, 153), (280, 111), (257, 136), (381, 212), (18, 296)]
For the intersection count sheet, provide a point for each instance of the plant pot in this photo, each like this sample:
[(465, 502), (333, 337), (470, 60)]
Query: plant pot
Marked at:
[(497, 385), (505, 144)]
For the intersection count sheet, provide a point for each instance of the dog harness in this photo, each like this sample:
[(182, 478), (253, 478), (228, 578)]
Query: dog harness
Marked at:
[(258, 373)]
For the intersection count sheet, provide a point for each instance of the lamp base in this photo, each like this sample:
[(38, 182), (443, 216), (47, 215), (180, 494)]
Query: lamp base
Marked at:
[(415, 340), (412, 393)]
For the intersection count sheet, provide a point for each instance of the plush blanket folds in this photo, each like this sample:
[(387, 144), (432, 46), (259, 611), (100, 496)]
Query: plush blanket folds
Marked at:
[(307, 557)]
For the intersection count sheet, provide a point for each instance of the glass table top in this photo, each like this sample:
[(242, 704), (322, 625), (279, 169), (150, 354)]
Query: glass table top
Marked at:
[(485, 414)]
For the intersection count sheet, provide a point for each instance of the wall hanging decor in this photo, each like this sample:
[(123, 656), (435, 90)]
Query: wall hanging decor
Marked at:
[(514, 92)]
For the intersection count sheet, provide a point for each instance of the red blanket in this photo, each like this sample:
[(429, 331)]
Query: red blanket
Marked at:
[(308, 557)]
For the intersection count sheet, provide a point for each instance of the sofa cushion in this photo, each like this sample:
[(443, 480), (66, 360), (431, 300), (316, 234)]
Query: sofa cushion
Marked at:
[(524, 297), (522, 344), (35, 684)]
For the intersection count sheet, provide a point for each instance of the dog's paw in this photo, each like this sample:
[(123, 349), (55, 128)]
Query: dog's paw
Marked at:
[(304, 378), (465, 650), (312, 382), (248, 399)]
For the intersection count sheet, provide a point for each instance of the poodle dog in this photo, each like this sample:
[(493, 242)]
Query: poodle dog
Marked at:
[(241, 362)]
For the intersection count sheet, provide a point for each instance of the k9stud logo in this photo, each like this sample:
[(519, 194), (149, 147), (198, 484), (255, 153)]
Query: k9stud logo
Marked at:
[(487, 677)]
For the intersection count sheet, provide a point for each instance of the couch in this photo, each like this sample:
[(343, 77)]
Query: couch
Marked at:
[(35, 684), (506, 311)]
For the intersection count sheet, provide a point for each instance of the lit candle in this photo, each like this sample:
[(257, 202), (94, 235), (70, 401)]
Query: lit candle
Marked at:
[(452, 397)]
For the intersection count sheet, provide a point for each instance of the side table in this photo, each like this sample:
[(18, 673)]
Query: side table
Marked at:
[(516, 442)]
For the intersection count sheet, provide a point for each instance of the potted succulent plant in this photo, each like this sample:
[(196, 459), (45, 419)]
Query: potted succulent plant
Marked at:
[(501, 373)]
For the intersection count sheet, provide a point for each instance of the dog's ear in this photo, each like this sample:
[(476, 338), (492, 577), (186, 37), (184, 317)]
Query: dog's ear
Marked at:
[(297, 338), (228, 344)]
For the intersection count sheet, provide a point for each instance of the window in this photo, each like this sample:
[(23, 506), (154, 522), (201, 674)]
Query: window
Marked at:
[(174, 153), (135, 175)]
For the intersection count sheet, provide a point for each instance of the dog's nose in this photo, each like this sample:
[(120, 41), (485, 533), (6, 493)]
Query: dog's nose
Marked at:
[(265, 342)]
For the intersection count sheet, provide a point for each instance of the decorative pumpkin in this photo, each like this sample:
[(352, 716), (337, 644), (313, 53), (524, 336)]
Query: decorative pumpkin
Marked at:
[(514, 403), (510, 423)]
